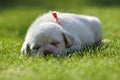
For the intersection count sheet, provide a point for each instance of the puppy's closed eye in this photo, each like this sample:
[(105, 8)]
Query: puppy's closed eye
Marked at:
[(55, 43)]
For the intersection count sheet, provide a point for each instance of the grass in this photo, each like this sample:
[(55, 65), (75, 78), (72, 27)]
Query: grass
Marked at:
[(99, 64)]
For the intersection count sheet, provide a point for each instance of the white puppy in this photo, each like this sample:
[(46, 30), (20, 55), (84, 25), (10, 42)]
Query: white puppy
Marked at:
[(57, 33)]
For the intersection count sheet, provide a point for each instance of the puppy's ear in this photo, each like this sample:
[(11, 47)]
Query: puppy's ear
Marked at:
[(68, 39)]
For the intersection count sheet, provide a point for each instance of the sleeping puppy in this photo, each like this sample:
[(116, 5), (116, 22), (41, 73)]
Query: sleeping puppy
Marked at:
[(58, 33)]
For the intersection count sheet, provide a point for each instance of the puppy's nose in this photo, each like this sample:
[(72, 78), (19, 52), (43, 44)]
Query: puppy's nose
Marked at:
[(47, 52)]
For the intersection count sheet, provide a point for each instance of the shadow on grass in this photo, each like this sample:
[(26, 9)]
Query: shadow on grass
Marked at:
[(91, 51)]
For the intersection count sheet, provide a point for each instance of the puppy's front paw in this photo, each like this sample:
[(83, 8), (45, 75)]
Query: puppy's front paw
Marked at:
[(29, 49), (25, 50)]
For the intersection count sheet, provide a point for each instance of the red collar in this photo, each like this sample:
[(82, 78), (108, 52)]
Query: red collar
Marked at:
[(54, 13)]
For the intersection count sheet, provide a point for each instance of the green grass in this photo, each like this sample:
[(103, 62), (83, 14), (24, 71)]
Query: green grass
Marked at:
[(99, 64)]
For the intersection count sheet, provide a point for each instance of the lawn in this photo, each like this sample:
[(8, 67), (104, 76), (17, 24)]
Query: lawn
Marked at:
[(102, 63)]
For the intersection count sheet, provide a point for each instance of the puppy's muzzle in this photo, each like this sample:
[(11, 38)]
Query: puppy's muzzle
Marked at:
[(47, 52), (36, 50)]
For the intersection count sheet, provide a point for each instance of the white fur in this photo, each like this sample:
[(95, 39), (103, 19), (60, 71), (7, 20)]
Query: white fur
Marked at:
[(77, 30)]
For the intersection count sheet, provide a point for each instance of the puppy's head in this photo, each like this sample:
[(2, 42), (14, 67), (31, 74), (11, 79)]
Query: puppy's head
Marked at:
[(49, 38)]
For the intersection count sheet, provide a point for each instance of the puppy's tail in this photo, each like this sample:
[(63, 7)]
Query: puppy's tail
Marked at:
[(105, 41)]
